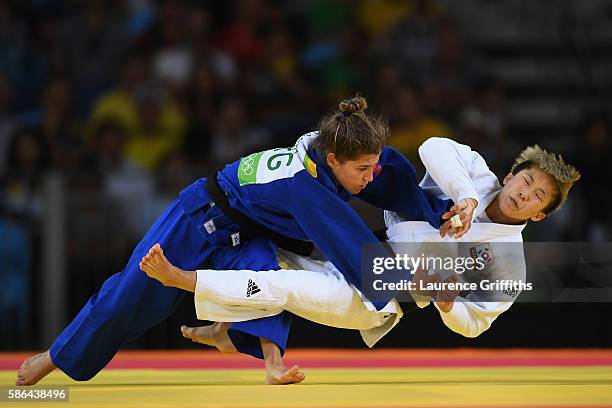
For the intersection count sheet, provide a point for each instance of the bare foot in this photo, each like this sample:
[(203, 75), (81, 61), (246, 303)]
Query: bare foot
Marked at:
[(214, 335), (157, 266), (34, 369), (280, 375), (276, 372)]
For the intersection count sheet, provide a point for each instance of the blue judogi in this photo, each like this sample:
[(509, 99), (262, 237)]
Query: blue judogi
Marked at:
[(290, 191), (328, 221)]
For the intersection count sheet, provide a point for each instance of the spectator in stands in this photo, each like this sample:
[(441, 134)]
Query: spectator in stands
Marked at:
[(89, 45), (483, 124), (27, 162), (412, 41), (595, 150), (8, 122), (153, 121), (173, 59), (57, 124), (410, 126), (202, 94), (234, 135), (453, 71), (220, 62), (386, 81), (241, 38), (122, 180), (15, 277)]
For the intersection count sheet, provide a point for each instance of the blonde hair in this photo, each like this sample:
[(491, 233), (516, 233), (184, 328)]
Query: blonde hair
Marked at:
[(564, 174)]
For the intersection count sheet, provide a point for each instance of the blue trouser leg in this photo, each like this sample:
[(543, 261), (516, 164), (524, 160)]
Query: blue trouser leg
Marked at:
[(246, 335), (129, 302), (259, 255)]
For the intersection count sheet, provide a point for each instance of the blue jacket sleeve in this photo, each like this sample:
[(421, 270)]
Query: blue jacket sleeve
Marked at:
[(396, 188), (334, 227)]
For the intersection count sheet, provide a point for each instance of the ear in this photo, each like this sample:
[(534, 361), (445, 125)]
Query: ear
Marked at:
[(538, 217), (331, 159), (508, 177)]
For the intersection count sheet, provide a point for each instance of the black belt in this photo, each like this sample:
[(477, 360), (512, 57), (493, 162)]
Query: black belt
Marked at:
[(249, 228), (381, 234)]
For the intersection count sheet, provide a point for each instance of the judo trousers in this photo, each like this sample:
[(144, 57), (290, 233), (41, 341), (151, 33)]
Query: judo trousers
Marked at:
[(129, 302)]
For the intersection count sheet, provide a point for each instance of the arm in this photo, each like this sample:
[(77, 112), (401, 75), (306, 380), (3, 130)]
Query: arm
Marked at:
[(455, 169), (397, 189), (472, 315), (333, 226), (470, 319)]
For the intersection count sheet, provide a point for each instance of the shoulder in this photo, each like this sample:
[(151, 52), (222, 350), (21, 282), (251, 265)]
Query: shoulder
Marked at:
[(269, 166)]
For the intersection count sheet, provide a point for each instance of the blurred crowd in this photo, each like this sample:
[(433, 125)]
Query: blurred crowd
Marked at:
[(131, 100)]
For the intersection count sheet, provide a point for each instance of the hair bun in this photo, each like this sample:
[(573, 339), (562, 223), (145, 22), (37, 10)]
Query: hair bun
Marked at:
[(353, 105)]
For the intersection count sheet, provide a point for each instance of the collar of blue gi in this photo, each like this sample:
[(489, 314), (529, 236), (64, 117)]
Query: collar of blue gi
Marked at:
[(326, 176)]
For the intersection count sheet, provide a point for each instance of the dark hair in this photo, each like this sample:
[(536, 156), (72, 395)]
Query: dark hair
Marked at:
[(349, 132), (18, 136)]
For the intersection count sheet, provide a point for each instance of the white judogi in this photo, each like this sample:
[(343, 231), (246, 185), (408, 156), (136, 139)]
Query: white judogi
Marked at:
[(317, 291)]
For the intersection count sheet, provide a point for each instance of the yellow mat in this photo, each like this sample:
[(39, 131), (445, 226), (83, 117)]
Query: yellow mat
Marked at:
[(339, 387)]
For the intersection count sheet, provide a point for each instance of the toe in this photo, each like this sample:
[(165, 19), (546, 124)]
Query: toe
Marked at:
[(293, 371)]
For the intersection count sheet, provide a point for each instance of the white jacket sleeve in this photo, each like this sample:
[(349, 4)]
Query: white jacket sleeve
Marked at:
[(455, 169), (470, 319), (473, 314)]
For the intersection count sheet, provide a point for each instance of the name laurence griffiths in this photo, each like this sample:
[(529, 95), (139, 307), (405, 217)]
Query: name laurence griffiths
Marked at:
[(485, 284)]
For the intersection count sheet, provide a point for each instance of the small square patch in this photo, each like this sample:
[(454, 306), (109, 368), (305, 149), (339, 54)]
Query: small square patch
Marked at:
[(210, 226), (484, 252), (235, 239), (510, 292)]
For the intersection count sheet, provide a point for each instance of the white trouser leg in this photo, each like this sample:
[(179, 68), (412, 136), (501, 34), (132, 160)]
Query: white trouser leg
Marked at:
[(322, 297)]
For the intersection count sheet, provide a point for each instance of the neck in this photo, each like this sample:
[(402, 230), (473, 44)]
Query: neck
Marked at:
[(496, 215), (319, 157)]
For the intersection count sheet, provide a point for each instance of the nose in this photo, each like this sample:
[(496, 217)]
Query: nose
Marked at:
[(523, 195), (369, 176)]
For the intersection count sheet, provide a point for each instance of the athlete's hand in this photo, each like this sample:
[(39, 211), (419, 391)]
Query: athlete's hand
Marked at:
[(445, 299), (465, 208)]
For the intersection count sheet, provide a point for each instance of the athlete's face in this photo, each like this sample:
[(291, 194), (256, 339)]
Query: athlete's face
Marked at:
[(526, 194), (354, 174)]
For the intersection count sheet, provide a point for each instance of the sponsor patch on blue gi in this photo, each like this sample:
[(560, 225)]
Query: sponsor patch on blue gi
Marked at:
[(210, 226)]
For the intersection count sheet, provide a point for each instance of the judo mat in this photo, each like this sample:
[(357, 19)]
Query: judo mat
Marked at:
[(341, 378)]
